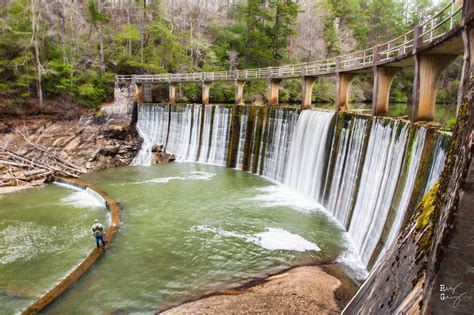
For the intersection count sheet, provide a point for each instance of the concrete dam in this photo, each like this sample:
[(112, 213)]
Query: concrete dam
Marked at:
[(362, 169), (388, 194)]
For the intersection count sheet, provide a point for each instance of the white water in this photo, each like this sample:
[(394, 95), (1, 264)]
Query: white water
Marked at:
[(272, 239), (280, 131), (296, 152), (348, 163), (243, 130), (439, 157), (153, 128), (407, 188), (308, 153), (182, 138), (382, 167)]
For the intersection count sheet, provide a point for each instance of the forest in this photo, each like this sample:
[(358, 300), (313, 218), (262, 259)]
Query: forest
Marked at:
[(70, 51)]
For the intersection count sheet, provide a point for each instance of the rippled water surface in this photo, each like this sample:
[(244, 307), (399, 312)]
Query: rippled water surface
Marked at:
[(43, 234), (190, 229)]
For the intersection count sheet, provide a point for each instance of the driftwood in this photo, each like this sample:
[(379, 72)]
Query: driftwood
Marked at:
[(32, 163)]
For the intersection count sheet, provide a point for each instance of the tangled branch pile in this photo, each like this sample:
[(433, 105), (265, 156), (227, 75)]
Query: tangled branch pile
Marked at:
[(33, 164)]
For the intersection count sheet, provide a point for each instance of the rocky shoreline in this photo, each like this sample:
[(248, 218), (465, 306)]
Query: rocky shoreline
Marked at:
[(41, 147), (323, 289)]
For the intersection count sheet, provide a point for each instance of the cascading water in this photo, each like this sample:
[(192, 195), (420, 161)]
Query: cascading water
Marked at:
[(153, 128), (380, 174), (280, 129), (348, 163), (183, 136), (307, 160), (439, 157), (412, 172), (219, 138), (177, 140), (243, 130), (360, 189)]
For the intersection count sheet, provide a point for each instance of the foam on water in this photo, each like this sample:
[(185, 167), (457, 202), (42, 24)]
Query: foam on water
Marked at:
[(351, 260), (82, 199), (23, 241), (279, 195), (278, 239), (272, 239), (163, 180)]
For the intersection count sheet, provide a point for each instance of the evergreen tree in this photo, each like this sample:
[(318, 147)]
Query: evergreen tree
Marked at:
[(286, 12)]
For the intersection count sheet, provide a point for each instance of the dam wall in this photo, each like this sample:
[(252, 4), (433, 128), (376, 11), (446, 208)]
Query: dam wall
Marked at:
[(368, 172)]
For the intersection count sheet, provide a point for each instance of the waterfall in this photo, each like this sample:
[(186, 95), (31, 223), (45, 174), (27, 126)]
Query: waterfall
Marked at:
[(182, 132), (307, 160), (380, 174), (243, 130), (367, 183), (280, 129), (348, 163), (153, 129), (439, 157), (220, 135), (183, 135), (411, 176)]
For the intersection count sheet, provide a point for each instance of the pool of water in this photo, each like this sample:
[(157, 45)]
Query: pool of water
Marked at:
[(43, 234), (191, 229)]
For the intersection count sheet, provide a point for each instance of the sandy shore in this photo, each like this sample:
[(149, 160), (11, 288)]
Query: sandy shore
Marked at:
[(302, 290)]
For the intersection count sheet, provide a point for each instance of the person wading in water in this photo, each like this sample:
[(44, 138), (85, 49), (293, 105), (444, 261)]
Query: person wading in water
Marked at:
[(98, 231)]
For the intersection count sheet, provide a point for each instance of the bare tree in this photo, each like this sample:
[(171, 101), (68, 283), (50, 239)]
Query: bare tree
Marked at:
[(35, 43)]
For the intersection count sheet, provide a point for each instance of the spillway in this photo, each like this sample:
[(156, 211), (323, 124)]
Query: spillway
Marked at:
[(367, 172)]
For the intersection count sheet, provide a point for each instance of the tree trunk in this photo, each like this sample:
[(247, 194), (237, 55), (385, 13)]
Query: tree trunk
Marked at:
[(34, 41), (142, 39), (129, 22), (101, 44)]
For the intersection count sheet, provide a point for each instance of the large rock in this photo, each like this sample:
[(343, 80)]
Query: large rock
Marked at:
[(109, 150)]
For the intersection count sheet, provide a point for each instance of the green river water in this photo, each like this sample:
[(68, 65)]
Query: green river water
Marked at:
[(188, 229)]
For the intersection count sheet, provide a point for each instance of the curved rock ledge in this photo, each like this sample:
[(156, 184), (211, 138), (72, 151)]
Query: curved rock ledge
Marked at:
[(87, 262)]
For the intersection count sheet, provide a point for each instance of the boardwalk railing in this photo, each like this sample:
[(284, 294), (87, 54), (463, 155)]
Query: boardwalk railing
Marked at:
[(429, 31)]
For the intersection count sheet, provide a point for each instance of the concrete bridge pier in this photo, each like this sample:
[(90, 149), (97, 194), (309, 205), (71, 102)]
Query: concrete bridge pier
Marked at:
[(383, 78), (239, 92), (344, 81), (428, 69), (205, 92), (172, 93), (306, 93), (138, 93), (273, 89)]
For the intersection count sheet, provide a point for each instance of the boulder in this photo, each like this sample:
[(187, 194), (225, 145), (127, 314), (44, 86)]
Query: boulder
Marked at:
[(109, 150)]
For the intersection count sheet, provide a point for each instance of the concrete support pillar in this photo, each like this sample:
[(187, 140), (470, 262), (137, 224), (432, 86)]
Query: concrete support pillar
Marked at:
[(344, 81), (273, 89), (306, 93), (383, 78), (205, 92), (147, 92), (138, 93), (172, 93), (428, 69), (239, 92)]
